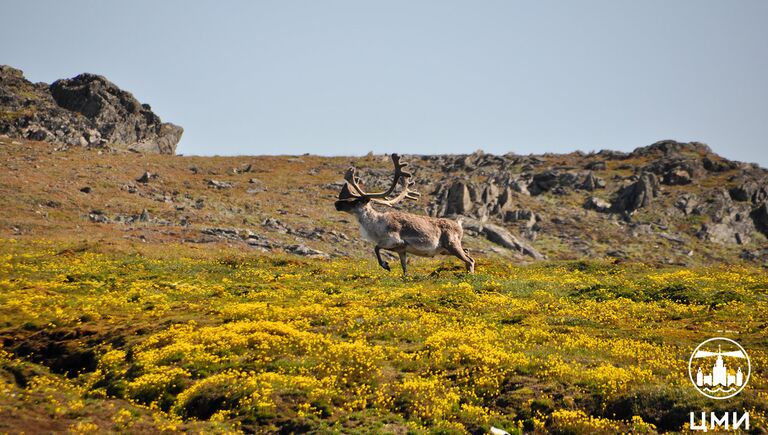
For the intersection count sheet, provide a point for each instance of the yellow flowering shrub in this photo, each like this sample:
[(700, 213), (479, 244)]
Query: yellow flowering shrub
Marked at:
[(427, 399), (152, 386), (227, 342), (577, 421)]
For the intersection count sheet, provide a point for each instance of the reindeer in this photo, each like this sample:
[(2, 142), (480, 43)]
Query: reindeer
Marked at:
[(396, 231)]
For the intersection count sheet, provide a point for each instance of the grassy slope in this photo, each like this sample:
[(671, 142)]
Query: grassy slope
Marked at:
[(42, 198), (42, 193), (178, 339)]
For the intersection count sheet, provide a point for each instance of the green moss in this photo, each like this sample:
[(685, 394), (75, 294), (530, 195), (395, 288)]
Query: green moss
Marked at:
[(11, 116)]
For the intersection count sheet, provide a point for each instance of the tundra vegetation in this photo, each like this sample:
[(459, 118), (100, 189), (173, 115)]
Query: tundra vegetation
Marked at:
[(170, 338), (143, 293)]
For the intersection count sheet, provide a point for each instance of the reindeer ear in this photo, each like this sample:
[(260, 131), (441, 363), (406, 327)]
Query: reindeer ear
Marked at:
[(346, 193)]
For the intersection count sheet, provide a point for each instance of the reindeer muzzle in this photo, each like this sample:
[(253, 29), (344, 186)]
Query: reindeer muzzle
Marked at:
[(343, 205)]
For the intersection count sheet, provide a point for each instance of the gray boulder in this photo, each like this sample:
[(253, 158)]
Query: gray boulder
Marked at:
[(597, 204), (751, 191), (591, 182), (504, 200), (471, 226), (544, 182), (458, 200), (597, 165), (688, 203), (730, 223), (519, 186), (502, 237), (760, 218), (723, 233), (216, 184), (305, 251), (568, 179), (524, 216), (555, 181), (638, 194), (677, 177), (490, 193), (146, 176)]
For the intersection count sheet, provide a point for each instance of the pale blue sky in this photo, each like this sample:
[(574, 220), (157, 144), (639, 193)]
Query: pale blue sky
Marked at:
[(347, 77)]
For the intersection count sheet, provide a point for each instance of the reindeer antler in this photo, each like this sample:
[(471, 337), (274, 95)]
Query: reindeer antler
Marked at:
[(406, 193), (351, 180), (352, 189), (399, 173)]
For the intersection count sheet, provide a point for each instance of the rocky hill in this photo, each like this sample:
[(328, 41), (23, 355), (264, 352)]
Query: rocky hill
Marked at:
[(666, 203), (64, 149), (87, 110), (678, 197)]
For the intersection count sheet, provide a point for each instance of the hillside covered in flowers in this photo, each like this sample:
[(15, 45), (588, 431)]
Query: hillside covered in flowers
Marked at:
[(179, 340)]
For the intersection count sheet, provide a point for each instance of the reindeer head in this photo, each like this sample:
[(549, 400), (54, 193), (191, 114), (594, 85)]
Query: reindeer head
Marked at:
[(353, 196)]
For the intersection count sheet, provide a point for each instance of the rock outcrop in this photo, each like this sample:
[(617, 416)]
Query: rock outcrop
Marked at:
[(591, 182), (676, 171), (732, 226), (671, 147), (638, 194), (751, 191), (760, 218), (87, 110), (679, 192), (458, 200), (502, 237)]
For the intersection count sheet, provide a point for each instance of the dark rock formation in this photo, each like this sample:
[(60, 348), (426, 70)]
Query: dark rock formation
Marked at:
[(146, 177), (671, 147), (544, 182), (87, 110), (676, 170), (458, 200), (760, 218), (561, 182), (718, 165), (751, 191), (638, 194)]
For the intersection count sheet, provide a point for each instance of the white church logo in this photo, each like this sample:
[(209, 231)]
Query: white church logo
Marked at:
[(719, 368)]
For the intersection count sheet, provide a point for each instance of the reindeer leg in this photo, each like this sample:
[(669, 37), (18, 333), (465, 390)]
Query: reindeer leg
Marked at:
[(402, 261), (382, 263), (456, 250)]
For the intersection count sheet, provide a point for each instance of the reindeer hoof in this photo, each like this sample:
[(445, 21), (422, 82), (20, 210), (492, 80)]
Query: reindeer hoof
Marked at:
[(385, 266)]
